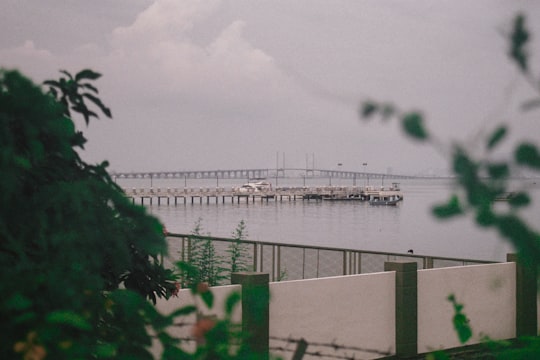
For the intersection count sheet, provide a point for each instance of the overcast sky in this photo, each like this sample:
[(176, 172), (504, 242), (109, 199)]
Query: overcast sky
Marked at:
[(237, 84)]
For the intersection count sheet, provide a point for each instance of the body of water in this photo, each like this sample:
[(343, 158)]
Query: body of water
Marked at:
[(352, 225)]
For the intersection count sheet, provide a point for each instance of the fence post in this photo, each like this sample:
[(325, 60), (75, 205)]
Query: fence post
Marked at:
[(406, 306), (255, 311), (526, 312)]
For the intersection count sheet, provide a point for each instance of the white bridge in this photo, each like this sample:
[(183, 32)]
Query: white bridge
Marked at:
[(256, 173)]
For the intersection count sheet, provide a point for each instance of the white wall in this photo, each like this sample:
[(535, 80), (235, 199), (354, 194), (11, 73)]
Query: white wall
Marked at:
[(359, 310), (354, 311), (487, 293)]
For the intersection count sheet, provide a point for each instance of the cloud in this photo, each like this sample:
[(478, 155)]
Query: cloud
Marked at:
[(158, 52), (28, 58)]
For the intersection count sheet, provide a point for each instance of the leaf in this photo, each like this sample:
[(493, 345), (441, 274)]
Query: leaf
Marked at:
[(498, 171), (460, 320), (461, 324), (368, 108), (412, 123), (51, 83), (520, 199), (98, 102), (485, 217), (527, 154), (208, 298), (231, 302), (90, 87), (496, 137), (451, 208), (87, 74), (183, 311), (67, 74), (518, 39), (69, 318)]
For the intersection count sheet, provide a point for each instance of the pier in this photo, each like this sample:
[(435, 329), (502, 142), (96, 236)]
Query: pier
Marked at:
[(216, 195)]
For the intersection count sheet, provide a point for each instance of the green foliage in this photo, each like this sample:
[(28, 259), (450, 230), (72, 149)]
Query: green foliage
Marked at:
[(481, 182), (413, 124), (207, 266), (238, 251), (79, 261), (69, 239), (460, 320), (71, 92), (518, 41)]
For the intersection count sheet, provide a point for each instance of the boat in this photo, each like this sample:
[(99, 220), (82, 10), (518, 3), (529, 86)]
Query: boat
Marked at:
[(390, 198), (255, 185), (389, 202)]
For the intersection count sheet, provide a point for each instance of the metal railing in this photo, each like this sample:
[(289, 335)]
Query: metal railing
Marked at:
[(294, 262)]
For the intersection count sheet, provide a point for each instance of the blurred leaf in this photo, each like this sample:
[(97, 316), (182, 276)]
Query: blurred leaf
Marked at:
[(460, 320), (387, 111), (368, 108), (498, 171), (106, 350), (67, 74), (90, 87), (18, 302), (99, 104), (496, 137), (413, 125), (530, 104), (527, 154), (87, 74), (70, 318), (208, 298), (185, 310), (519, 200), (451, 208), (232, 302), (518, 39), (485, 217)]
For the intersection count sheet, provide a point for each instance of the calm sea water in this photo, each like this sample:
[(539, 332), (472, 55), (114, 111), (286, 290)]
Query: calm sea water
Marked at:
[(352, 225)]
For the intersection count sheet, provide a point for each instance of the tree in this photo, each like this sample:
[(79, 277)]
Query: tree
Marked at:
[(69, 238)]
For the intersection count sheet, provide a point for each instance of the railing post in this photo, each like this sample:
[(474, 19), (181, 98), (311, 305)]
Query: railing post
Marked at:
[(526, 292), (255, 311), (406, 306)]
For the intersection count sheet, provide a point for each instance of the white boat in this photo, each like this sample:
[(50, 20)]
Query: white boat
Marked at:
[(255, 186), (385, 201), (391, 196)]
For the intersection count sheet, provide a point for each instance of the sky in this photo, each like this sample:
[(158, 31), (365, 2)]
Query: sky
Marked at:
[(219, 84)]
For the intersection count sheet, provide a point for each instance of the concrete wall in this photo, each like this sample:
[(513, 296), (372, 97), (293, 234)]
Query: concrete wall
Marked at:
[(354, 311), (488, 293), (362, 312)]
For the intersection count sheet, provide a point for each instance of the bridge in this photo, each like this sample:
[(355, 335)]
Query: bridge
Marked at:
[(256, 173)]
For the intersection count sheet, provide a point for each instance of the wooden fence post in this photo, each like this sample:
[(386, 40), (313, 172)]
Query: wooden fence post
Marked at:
[(406, 306), (255, 311), (526, 292)]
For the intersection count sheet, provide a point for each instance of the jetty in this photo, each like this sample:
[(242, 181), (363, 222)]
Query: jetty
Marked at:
[(237, 195)]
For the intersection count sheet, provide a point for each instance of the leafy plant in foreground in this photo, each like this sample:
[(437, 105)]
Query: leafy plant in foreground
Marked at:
[(481, 181)]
